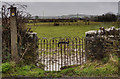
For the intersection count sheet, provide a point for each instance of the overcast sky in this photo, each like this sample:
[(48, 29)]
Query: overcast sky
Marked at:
[(61, 0), (65, 8)]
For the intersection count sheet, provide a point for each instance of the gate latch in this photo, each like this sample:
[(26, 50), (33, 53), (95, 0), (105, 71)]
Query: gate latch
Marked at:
[(63, 43)]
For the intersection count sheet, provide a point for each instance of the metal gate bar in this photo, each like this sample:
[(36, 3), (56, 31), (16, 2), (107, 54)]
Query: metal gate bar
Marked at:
[(57, 53)]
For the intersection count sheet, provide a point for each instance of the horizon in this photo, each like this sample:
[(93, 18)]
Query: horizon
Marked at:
[(60, 0), (69, 8)]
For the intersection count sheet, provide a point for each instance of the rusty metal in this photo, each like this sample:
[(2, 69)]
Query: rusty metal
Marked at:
[(50, 57), (56, 48), (79, 50), (47, 53), (67, 55), (56, 53), (82, 48), (44, 52), (61, 55)]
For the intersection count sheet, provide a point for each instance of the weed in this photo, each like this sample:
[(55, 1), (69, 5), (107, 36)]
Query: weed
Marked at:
[(69, 71), (6, 67)]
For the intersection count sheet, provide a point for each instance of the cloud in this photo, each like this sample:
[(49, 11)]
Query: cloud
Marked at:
[(60, 0)]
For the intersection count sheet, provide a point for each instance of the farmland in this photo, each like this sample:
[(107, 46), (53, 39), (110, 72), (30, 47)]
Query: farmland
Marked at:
[(47, 30), (58, 49), (104, 68)]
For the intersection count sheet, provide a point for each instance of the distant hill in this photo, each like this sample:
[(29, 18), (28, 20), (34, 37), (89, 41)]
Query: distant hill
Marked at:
[(62, 17)]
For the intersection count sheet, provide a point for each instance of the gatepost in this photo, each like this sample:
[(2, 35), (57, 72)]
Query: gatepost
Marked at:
[(13, 28)]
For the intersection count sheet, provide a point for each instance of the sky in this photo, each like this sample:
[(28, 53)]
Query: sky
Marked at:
[(93, 7), (60, 0)]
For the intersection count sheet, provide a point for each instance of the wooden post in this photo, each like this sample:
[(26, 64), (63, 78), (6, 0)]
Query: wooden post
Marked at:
[(13, 27)]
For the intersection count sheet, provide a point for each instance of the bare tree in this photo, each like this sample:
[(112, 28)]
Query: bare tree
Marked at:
[(24, 40)]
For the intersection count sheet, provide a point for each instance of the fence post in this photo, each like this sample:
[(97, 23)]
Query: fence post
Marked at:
[(13, 28)]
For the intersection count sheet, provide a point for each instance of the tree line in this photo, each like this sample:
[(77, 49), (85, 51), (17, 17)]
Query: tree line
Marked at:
[(108, 17)]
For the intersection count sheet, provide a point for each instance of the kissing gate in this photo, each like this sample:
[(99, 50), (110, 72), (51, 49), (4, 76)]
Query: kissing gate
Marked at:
[(57, 53)]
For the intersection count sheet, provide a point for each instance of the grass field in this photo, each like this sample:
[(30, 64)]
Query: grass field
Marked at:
[(50, 31), (107, 67)]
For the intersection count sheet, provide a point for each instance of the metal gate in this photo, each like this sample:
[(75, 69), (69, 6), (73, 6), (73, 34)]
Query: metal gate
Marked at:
[(57, 53)]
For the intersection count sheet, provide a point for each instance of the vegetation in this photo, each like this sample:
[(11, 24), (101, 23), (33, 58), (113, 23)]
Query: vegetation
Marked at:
[(25, 43), (108, 17), (105, 68), (49, 32), (108, 66)]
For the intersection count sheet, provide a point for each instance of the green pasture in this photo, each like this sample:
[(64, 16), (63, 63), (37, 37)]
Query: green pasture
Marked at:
[(107, 67), (45, 30)]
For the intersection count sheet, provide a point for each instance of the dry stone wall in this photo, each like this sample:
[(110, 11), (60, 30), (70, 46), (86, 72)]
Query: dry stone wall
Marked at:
[(102, 42)]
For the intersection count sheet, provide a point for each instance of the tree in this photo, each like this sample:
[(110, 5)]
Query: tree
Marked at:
[(108, 17), (25, 42)]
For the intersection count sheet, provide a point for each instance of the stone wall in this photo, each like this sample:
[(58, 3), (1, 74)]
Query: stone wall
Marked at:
[(31, 55), (102, 42)]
